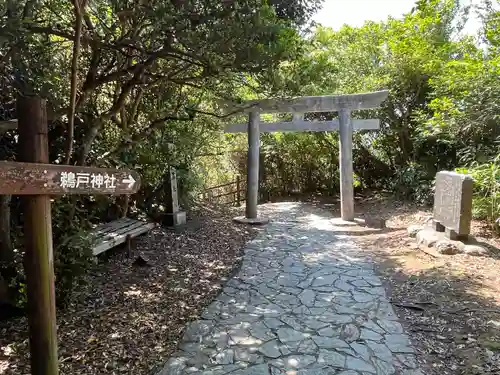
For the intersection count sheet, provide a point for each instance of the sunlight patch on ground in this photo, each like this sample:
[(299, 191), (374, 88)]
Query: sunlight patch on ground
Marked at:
[(144, 296)]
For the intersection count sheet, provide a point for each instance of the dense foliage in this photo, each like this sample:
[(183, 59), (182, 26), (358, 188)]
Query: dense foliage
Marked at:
[(442, 112), (131, 83), (137, 84)]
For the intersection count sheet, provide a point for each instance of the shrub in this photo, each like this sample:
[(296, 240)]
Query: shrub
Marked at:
[(72, 249), (486, 199), (413, 183)]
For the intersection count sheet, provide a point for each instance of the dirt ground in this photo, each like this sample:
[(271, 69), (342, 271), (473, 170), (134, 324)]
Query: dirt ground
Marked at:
[(450, 305), (128, 319)]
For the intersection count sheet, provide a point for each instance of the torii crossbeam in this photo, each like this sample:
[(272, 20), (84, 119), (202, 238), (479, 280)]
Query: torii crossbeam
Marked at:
[(343, 104)]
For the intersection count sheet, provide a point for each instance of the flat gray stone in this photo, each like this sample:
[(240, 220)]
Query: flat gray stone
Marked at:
[(334, 318), (285, 350), (307, 297), (315, 324), (197, 329), (288, 334), (408, 360), (286, 299), (342, 285), (329, 332), (316, 371), (174, 366), (427, 236), (292, 322), (307, 347), (398, 343), (331, 358), (372, 326), (361, 350), (261, 332), (390, 326), (253, 370), (380, 351), (225, 357), (243, 338), (250, 221), (384, 368), (294, 361), (287, 280), (243, 354), (362, 297), (273, 323), (270, 349), (325, 280), (475, 250), (413, 230), (372, 280), (359, 283), (220, 370), (367, 334), (359, 365), (329, 342)]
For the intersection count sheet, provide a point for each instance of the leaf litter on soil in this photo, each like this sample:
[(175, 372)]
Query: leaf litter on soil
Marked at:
[(128, 319), (450, 305)]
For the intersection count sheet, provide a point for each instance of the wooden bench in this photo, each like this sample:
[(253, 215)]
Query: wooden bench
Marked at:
[(117, 232)]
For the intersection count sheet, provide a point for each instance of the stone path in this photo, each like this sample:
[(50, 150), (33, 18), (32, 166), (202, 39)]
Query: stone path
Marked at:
[(305, 302)]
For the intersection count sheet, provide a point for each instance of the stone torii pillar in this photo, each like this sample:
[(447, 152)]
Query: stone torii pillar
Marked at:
[(252, 195), (343, 104)]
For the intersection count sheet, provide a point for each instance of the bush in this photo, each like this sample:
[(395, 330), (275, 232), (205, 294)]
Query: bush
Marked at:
[(413, 183), (486, 199), (72, 249)]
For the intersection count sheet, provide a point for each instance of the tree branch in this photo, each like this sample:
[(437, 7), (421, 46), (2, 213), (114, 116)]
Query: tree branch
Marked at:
[(79, 8)]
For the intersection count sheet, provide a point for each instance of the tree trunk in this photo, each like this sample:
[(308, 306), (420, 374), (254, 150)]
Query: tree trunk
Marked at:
[(7, 267), (125, 205)]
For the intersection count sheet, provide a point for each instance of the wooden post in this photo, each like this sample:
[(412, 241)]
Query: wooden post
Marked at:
[(346, 168), (253, 165), (238, 190), (39, 258)]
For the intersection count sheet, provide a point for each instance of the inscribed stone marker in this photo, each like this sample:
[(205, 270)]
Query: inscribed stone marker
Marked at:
[(453, 204)]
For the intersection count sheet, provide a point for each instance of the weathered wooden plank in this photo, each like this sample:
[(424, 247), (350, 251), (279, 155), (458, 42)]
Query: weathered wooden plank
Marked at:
[(121, 238), (305, 104), (105, 229), (52, 179), (301, 126), (119, 230)]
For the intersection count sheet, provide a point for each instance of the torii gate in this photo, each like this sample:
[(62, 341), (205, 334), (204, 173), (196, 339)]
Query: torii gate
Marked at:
[(344, 104)]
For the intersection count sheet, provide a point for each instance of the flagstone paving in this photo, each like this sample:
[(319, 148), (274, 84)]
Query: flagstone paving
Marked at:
[(306, 301)]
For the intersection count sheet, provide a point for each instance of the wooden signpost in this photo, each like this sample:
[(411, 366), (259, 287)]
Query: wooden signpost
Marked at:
[(37, 180), (343, 104), (52, 179)]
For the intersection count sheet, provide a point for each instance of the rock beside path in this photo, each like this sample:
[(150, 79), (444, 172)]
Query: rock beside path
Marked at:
[(427, 236)]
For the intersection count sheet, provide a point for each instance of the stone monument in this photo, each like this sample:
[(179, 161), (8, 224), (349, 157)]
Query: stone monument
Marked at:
[(453, 204), (174, 216)]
